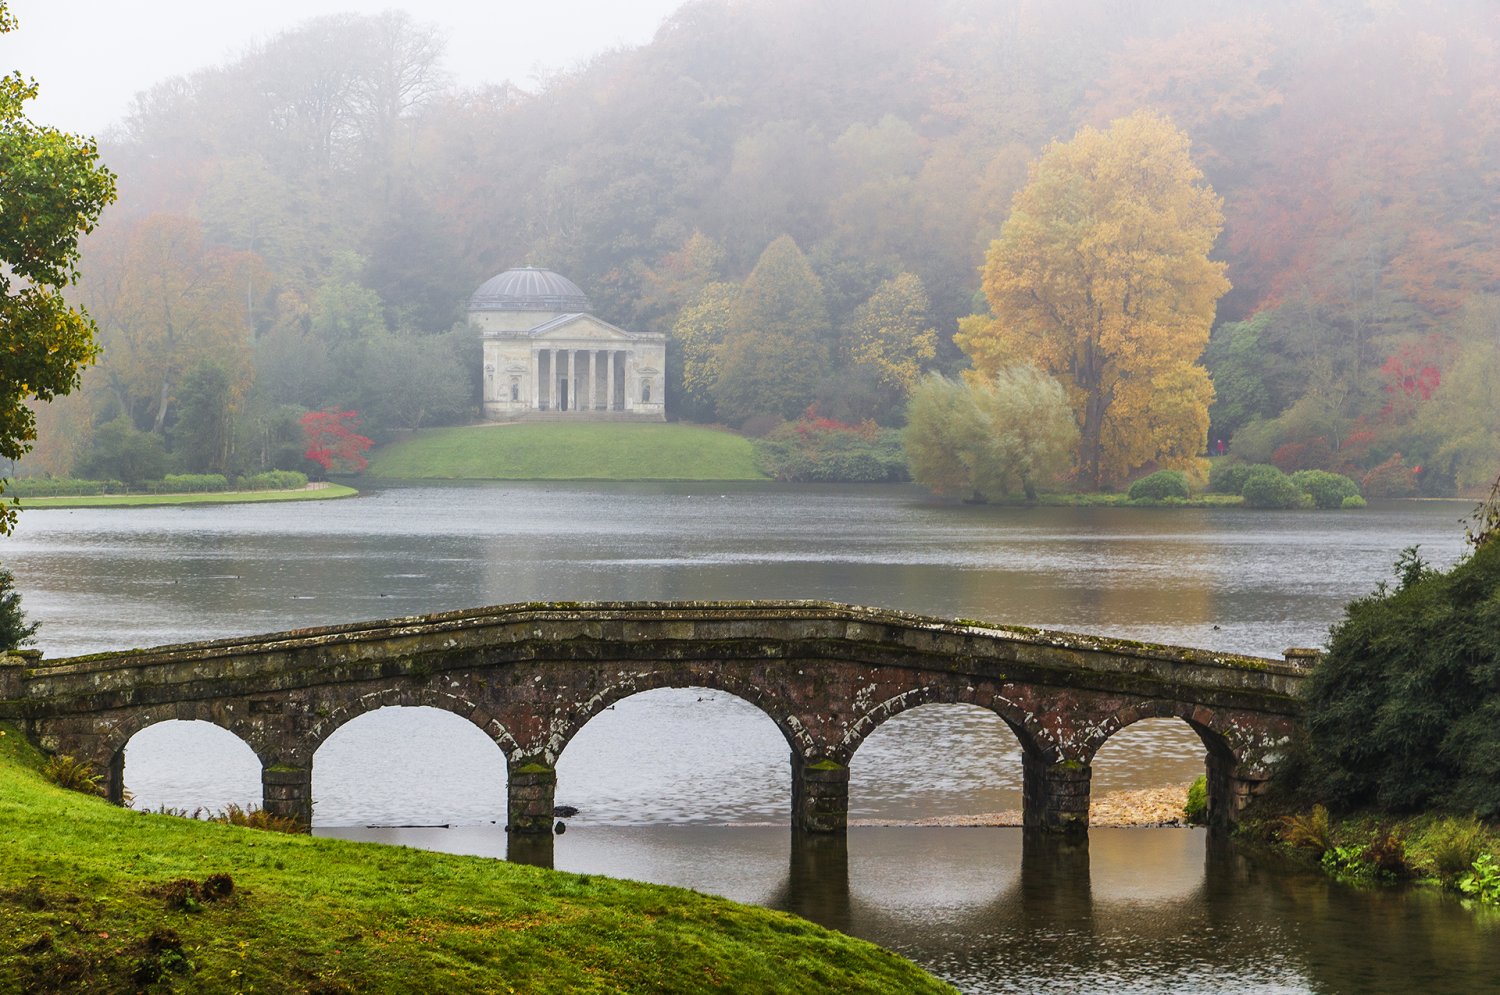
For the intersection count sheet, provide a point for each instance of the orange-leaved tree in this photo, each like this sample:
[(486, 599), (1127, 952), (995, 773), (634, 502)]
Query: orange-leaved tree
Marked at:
[(1101, 277)]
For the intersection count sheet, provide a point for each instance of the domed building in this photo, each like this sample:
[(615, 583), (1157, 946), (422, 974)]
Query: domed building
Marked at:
[(546, 356)]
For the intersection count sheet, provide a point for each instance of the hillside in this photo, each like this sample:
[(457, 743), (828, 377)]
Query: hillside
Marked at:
[(1352, 144), (558, 451), (109, 900)]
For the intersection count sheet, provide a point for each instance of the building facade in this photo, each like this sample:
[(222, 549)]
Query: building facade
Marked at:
[(546, 356)]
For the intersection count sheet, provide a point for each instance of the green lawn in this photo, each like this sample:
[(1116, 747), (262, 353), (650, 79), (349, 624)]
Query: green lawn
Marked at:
[(563, 451), (323, 493), (82, 907)]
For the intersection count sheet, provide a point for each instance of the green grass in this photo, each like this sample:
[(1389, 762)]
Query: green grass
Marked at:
[(563, 451), (211, 497), (81, 909)]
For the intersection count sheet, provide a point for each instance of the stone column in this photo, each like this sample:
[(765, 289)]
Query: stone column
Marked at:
[(1055, 796), (286, 791), (534, 401), (586, 358), (530, 791), (1230, 788), (113, 781), (820, 795), (609, 382), (559, 374)]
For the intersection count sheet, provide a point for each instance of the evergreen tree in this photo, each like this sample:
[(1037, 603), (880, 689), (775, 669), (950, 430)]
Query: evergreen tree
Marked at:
[(15, 631)]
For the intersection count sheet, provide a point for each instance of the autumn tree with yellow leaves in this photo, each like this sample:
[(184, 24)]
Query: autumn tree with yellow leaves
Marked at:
[(1101, 277)]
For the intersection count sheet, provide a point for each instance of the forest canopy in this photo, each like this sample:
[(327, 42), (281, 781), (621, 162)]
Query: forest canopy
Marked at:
[(326, 202)]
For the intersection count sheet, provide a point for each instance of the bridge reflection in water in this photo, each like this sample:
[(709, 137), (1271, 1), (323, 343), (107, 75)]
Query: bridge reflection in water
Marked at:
[(531, 676)]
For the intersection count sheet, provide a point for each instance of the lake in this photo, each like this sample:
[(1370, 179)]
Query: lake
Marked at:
[(691, 787)]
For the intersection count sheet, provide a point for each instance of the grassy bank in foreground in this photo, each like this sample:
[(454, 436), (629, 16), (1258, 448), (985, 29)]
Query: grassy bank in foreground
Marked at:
[(86, 899), (568, 451), (323, 493)]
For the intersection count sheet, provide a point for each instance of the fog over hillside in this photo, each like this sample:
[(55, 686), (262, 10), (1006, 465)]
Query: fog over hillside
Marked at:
[(318, 209)]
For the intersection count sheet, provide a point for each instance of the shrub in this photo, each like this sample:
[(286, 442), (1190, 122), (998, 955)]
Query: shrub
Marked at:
[(27, 487), (1483, 881), (820, 449), (1391, 479), (258, 818), (1268, 487), (1313, 831), (73, 774), (194, 483), (1455, 845), (274, 480), (1403, 711), (1229, 478), (1160, 485), (1354, 501), (1195, 809), (1386, 856), (1328, 490)]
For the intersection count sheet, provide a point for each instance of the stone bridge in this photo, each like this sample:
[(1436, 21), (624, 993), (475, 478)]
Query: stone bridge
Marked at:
[(531, 675)]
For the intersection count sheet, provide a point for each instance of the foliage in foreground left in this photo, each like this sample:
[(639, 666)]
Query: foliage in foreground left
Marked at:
[(52, 189), (95, 895)]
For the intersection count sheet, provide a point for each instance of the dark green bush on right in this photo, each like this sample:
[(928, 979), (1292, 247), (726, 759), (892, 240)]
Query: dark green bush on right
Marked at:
[(1159, 486), (1403, 712), (1268, 487), (1328, 490)]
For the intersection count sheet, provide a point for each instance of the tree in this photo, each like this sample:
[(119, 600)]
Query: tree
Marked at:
[(1101, 277), (332, 442), (119, 451), (889, 333), (167, 303), (776, 345), (989, 437), (52, 189), (15, 631), (698, 335)]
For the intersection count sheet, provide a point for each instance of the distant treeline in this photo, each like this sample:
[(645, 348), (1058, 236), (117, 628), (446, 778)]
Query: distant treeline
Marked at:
[(298, 229)]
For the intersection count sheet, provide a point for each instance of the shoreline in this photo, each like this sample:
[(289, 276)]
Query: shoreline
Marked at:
[(319, 491), (1153, 808)]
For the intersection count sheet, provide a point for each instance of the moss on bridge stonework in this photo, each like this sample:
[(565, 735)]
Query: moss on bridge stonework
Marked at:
[(531, 675)]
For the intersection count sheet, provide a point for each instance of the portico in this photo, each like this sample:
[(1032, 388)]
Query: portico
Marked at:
[(545, 355)]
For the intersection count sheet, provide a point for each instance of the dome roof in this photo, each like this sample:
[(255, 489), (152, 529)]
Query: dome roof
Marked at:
[(529, 289)]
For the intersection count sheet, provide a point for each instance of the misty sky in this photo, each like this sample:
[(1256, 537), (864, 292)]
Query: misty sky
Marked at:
[(91, 57)]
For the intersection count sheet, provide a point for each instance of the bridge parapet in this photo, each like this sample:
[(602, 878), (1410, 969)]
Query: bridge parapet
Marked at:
[(531, 675)]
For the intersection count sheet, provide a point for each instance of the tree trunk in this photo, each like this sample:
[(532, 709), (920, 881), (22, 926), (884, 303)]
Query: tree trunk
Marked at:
[(161, 405)]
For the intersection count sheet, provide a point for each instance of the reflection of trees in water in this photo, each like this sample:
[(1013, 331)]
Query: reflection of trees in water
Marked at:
[(1247, 923)]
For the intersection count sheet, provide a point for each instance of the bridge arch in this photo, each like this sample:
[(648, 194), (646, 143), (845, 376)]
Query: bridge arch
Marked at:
[(122, 731), (448, 700), (626, 685), (1212, 728), (1030, 736)]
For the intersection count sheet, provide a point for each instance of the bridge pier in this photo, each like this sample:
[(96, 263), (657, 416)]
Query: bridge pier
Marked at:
[(820, 795), (530, 791), (1231, 786), (112, 784), (1055, 796), (286, 792)]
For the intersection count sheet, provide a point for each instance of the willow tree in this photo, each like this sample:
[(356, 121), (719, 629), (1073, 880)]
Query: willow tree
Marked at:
[(1101, 277)]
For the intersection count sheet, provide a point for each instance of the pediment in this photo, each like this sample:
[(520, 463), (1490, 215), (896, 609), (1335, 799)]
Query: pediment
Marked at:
[(581, 326)]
